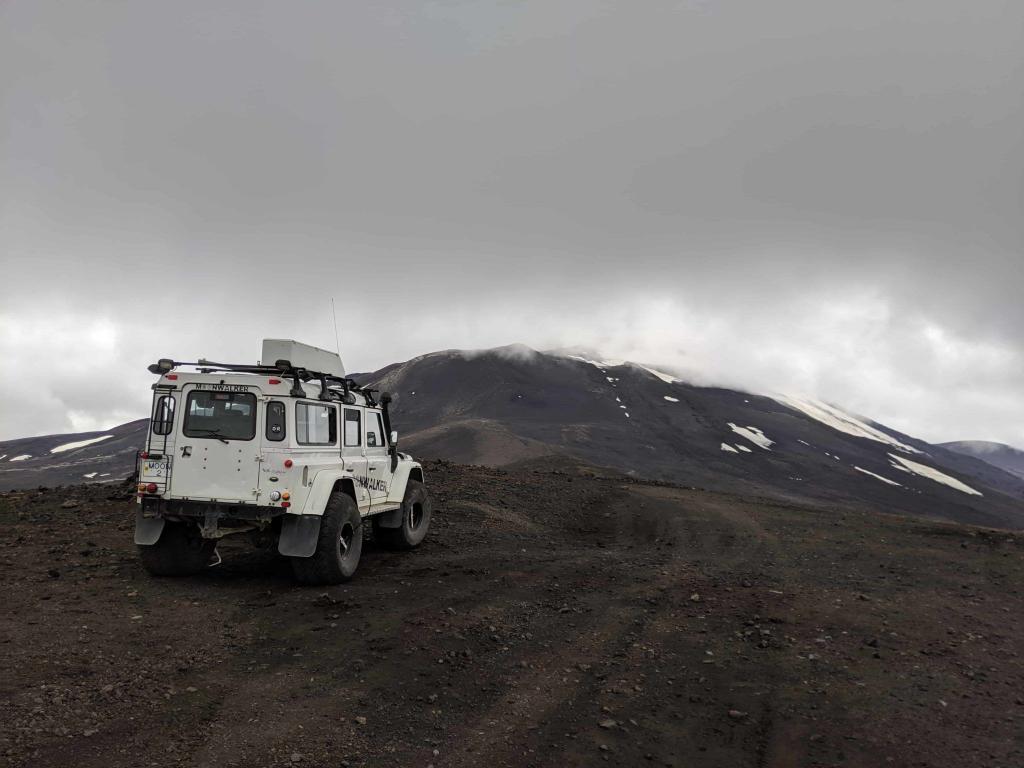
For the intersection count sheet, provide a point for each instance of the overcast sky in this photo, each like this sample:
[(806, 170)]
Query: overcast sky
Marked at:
[(801, 195)]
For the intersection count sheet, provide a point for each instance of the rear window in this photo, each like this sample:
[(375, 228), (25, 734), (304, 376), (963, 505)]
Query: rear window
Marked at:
[(223, 415), (163, 415)]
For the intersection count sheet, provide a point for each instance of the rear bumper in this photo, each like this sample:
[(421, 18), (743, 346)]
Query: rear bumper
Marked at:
[(153, 506), (298, 533)]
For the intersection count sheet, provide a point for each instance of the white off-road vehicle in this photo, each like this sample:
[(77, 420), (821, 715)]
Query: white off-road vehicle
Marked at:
[(288, 449)]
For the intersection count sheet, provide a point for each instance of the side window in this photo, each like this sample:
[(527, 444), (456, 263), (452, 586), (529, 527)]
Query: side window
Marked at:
[(380, 426), (374, 433), (352, 427), (315, 424), (163, 415), (275, 421)]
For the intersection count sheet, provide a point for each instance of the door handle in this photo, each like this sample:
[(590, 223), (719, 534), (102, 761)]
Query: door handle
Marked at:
[(374, 469)]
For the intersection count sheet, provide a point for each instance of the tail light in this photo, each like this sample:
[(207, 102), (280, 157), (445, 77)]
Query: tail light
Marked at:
[(152, 488), (287, 463), (144, 454)]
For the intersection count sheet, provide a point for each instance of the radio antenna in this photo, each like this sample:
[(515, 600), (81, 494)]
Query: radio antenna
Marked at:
[(334, 317)]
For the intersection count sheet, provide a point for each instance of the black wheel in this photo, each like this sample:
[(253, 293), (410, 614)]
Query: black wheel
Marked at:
[(416, 511), (337, 549), (180, 551)]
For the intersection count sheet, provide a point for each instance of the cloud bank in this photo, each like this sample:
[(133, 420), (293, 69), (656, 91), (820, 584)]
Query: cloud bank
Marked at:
[(795, 196)]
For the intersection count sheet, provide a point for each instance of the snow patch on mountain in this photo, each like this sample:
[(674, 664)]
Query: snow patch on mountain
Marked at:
[(878, 477), (22, 457), (79, 444), (660, 374), (754, 435), (672, 399), (601, 364), (841, 421), (932, 474), (728, 448)]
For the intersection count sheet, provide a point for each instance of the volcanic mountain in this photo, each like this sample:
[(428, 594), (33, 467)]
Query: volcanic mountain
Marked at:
[(566, 410), (513, 405)]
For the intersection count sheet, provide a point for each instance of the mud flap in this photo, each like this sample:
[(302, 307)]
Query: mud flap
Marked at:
[(299, 534), (147, 529), (392, 519)]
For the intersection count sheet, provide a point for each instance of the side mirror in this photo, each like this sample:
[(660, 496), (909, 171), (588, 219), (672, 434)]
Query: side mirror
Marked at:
[(393, 437)]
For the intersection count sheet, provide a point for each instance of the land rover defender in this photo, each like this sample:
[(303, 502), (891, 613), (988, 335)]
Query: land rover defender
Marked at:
[(288, 450)]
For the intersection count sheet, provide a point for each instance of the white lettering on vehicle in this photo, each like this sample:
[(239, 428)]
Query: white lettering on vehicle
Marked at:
[(223, 387)]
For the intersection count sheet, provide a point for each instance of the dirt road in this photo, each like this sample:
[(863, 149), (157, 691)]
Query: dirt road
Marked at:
[(549, 620)]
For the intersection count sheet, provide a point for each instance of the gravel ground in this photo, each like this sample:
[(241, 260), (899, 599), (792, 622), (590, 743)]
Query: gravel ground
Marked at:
[(550, 619)]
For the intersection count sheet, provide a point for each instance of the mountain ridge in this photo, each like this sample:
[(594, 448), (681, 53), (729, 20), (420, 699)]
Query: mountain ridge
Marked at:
[(515, 405), (1001, 455)]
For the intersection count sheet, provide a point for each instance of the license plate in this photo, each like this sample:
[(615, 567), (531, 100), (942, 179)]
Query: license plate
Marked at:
[(154, 468)]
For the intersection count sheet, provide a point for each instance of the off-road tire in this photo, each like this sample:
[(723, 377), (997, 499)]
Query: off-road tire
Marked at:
[(180, 551), (338, 546), (416, 511)]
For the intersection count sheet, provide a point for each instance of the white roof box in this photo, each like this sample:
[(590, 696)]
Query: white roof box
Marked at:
[(302, 356)]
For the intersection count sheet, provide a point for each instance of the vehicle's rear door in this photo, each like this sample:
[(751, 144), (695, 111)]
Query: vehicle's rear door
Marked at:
[(217, 452)]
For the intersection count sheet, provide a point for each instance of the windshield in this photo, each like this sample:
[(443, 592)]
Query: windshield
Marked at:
[(221, 415)]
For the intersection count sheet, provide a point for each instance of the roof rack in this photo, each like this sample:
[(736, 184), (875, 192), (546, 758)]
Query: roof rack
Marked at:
[(281, 368)]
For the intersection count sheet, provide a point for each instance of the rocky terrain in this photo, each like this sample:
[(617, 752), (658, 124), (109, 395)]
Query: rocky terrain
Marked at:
[(552, 618)]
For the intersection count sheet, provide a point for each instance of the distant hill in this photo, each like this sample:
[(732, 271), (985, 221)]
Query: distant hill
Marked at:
[(68, 459), (997, 454), (516, 406)]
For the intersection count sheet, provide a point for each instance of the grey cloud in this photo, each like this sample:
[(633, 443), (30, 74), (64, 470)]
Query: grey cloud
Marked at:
[(774, 195)]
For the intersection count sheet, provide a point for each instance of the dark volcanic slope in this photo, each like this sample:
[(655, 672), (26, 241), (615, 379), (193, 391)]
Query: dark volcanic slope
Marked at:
[(507, 406), (549, 620), (997, 454), (516, 406), (112, 458)]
